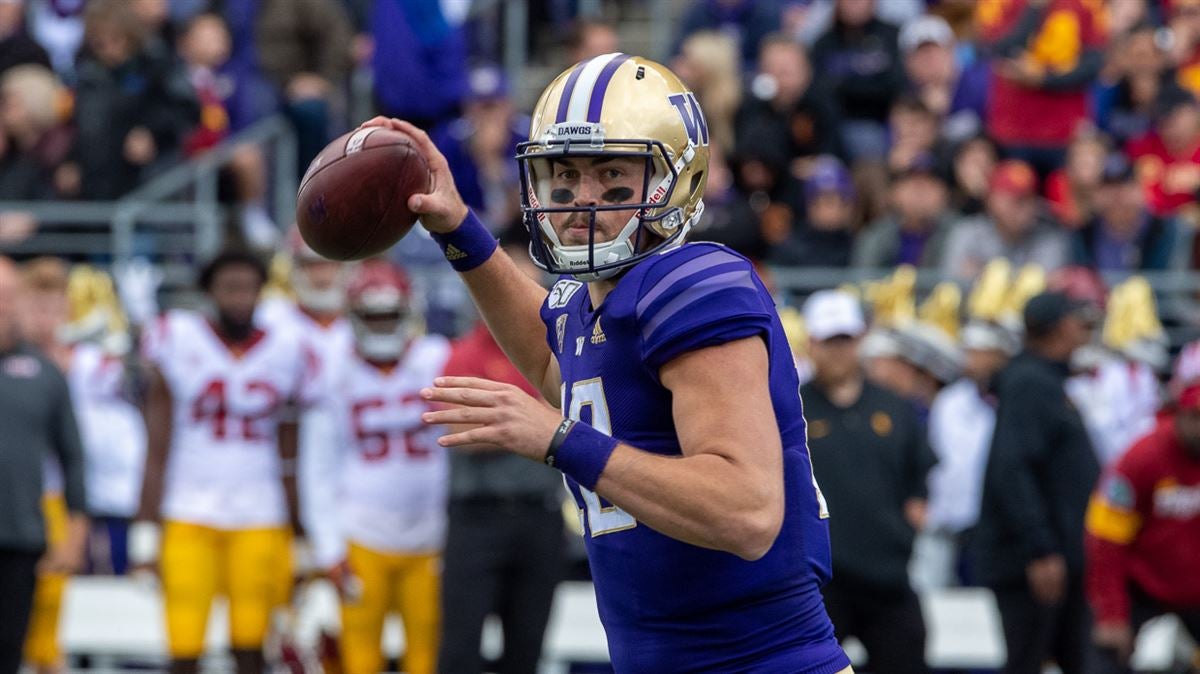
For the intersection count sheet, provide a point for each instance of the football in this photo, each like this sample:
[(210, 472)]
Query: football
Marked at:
[(353, 199)]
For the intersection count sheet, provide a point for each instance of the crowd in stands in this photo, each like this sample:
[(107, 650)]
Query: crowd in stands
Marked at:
[(1011, 146), (845, 132), (101, 95), (1060, 133)]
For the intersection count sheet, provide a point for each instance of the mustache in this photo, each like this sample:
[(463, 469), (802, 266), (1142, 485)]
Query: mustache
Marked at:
[(579, 219)]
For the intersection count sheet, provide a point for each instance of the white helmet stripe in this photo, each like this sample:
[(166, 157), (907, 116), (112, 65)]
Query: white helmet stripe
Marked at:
[(581, 95)]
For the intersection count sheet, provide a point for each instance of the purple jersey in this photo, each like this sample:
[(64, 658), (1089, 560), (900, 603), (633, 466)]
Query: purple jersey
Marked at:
[(667, 605)]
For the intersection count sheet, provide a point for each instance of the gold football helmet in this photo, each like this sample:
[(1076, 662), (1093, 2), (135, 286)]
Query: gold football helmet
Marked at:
[(615, 105), (94, 311)]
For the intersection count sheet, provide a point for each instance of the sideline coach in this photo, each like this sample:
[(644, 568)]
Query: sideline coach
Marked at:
[(36, 421)]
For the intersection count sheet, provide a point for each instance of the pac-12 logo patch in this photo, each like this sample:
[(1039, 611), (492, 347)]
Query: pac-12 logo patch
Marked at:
[(561, 293), (693, 119)]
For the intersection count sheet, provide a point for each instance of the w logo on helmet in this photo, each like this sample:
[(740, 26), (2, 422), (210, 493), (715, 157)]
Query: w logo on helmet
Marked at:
[(693, 119)]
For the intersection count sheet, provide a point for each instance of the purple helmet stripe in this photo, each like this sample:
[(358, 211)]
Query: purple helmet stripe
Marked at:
[(597, 100), (568, 89)]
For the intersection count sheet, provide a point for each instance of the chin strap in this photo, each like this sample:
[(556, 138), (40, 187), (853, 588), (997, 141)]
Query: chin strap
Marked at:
[(674, 242)]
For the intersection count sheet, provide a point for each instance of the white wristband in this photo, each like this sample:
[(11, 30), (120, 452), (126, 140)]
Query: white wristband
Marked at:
[(145, 539), (303, 562)]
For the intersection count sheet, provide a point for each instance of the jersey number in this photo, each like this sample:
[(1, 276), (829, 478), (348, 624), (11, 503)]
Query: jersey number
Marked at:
[(212, 406), (601, 517), (377, 444)]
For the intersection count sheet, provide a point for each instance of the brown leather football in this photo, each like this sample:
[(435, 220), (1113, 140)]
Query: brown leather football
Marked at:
[(353, 200)]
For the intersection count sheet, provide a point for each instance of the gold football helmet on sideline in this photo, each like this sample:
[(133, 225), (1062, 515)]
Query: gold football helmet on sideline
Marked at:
[(1131, 325), (942, 307), (94, 312), (615, 105), (990, 325)]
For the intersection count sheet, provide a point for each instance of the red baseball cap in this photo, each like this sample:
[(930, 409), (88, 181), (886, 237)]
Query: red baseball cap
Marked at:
[(1013, 176)]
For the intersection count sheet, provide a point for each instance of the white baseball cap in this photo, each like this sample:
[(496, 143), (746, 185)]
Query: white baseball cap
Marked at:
[(831, 313), (923, 30)]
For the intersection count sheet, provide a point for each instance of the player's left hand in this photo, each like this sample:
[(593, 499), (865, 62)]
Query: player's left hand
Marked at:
[(500, 416)]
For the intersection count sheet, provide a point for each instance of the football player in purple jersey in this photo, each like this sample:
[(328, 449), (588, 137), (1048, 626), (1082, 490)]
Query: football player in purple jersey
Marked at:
[(683, 441)]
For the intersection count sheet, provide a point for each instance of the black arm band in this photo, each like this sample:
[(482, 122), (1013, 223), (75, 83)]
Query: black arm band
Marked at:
[(560, 435)]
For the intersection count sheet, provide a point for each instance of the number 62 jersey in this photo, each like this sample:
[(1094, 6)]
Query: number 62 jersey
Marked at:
[(383, 483), (223, 468)]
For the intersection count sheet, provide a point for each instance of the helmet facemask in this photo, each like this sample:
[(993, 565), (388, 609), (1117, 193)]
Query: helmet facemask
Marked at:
[(331, 298), (548, 195), (383, 324)]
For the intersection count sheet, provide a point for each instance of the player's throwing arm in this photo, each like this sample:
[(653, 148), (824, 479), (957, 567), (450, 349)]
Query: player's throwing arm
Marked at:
[(680, 430)]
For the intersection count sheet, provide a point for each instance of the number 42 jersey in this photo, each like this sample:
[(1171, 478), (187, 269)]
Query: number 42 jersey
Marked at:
[(667, 605), (223, 468)]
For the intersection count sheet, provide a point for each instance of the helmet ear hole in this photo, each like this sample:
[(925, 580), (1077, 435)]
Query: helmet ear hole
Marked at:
[(697, 180)]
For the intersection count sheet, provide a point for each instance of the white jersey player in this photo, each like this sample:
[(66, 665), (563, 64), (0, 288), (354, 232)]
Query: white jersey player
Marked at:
[(317, 314), (220, 467), (312, 307), (224, 468), (381, 531), (1118, 399), (114, 436)]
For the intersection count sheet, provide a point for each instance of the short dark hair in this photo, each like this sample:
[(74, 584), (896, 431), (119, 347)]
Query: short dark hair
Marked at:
[(1044, 312), (230, 258)]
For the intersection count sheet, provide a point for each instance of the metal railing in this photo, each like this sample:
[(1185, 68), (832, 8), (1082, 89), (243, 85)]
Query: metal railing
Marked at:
[(181, 202), (110, 228), (201, 177), (804, 280)]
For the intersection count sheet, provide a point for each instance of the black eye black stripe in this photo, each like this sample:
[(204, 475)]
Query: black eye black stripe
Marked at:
[(617, 195)]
